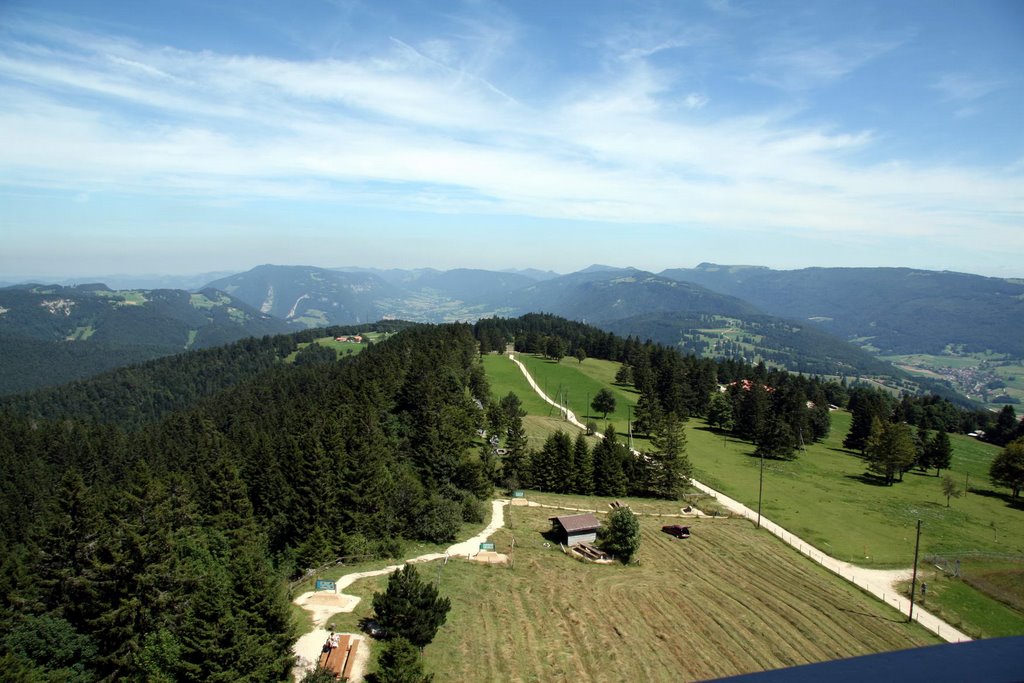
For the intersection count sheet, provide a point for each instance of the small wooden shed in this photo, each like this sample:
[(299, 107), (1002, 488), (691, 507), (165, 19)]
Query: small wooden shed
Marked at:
[(573, 529)]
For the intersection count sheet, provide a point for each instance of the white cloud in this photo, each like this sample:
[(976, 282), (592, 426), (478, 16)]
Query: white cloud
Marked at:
[(419, 129), (796, 63), (961, 87), (695, 101)]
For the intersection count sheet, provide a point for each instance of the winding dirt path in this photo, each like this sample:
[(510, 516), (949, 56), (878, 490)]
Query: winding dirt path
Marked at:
[(324, 605), (878, 582)]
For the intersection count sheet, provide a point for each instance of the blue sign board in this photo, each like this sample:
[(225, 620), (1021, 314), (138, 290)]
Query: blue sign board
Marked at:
[(486, 546), (322, 585), (517, 494)]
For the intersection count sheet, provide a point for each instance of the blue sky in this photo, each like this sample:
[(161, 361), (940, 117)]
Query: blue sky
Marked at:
[(183, 137)]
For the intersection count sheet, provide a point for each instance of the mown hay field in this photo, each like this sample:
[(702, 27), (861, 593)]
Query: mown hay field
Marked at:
[(728, 600)]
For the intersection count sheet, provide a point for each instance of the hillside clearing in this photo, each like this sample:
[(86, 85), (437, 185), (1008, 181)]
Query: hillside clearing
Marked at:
[(726, 601)]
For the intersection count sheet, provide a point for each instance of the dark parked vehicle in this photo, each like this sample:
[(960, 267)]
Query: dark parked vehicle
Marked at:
[(677, 530)]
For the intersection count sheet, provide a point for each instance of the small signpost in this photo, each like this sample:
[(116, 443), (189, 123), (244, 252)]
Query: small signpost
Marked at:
[(486, 546), (517, 494), (322, 585)]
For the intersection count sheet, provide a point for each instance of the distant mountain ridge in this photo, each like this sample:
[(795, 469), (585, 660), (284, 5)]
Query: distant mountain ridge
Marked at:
[(50, 334), (801, 319), (895, 310)]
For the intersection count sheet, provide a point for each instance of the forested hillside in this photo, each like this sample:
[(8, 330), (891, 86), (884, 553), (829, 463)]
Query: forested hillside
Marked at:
[(142, 393), (799, 347), (51, 334), (896, 310), (159, 552)]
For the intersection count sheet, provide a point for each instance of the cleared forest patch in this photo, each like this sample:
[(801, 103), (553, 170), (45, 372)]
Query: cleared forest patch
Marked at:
[(725, 601)]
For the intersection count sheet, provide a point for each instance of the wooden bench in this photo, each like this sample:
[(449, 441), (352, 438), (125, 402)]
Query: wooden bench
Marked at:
[(333, 658), (347, 672)]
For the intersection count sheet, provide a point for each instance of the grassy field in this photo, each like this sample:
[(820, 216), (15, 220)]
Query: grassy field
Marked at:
[(725, 601), (340, 348), (824, 498), (580, 382), (966, 601)]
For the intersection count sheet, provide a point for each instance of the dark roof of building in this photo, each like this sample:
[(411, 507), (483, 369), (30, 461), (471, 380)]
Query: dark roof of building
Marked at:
[(573, 524)]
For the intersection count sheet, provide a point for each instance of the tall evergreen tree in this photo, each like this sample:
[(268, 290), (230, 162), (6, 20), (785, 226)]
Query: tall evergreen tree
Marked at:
[(609, 477), (400, 662), (410, 608), (939, 452), (670, 466), (584, 462), (776, 440), (516, 467), (65, 553)]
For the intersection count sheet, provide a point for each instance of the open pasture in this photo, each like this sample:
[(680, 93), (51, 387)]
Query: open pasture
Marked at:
[(726, 601), (824, 497)]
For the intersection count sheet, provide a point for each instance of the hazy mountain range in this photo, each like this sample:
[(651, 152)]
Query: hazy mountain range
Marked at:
[(817, 320)]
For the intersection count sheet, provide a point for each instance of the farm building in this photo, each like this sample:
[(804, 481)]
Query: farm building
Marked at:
[(573, 529)]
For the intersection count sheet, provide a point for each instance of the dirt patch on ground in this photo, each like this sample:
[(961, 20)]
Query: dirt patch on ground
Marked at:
[(490, 557)]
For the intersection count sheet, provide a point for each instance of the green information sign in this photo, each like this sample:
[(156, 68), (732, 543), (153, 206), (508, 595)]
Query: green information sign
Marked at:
[(486, 546), (517, 494)]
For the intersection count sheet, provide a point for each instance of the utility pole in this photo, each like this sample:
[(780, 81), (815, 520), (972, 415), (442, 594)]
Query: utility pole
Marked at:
[(629, 424), (760, 488), (913, 580)]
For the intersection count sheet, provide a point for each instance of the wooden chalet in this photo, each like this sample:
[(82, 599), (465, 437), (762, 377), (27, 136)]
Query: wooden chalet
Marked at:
[(575, 529)]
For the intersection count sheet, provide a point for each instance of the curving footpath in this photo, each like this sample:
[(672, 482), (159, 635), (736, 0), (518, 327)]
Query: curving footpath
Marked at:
[(878, 582), (323, 606)]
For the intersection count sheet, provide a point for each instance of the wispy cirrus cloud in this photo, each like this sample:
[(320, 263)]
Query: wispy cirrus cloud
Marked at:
[(417, 125), (797, 63)]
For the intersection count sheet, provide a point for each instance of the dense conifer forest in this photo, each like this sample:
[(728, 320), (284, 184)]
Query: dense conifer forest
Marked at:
[(150, 517), (157, 550)]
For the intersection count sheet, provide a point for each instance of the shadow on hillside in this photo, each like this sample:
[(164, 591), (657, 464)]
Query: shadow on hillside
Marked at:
[(868, 478), (1011, 502)]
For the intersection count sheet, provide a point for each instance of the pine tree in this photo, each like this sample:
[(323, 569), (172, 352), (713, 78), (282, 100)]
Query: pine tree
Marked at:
[(516, 467), (753, 411), (584, 461), (671, 467), (65, 552), (776, 440), (400, 662), (135, 578), (209, 633), (609, 478), (648, 412), (410, 608)]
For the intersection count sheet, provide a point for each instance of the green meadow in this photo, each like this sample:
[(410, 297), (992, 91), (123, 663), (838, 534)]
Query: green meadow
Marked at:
[(823, 495)]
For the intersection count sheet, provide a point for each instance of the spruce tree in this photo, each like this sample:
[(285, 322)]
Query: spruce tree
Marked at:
[(609, 477), (400, 662), (410, 608), (670, 465), (584, 461)]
